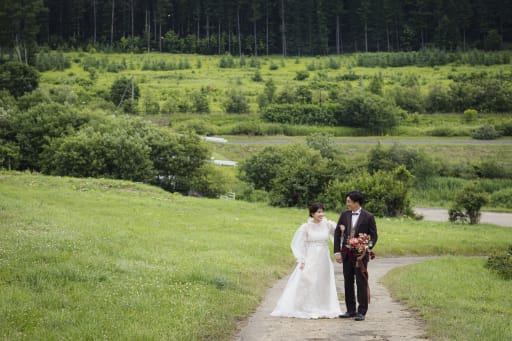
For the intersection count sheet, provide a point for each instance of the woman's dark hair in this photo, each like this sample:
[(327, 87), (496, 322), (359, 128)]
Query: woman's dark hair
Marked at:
[(356, 196), (315, 207)]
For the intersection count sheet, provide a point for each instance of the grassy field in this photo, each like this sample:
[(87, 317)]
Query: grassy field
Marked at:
[(457, 297), (91, 75), (105, 259)]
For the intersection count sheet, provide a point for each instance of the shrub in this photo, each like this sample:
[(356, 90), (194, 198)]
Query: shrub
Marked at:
[(470, 115), (123, 89), (468, 203), (257, 76), (200, 101), (236, 102), (485, 132), (500, 262), (502, 198), (386, 192), (301, 75), (18, 78), (438, 99)]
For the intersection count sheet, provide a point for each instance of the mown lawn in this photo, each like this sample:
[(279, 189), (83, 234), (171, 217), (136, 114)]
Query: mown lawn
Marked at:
[(105, 259)]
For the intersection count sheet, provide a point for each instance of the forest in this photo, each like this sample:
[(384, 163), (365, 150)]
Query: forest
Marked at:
[(256, 27)]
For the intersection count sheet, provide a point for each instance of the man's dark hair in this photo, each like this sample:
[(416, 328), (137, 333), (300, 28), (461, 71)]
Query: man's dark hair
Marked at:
[(315, 207), (356, 196)]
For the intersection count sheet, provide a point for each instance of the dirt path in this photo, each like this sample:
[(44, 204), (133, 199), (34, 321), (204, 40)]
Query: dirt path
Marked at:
[(385, 320)]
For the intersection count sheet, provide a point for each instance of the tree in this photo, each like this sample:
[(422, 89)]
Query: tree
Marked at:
[(18, 78), (468, 203), (19, 26)]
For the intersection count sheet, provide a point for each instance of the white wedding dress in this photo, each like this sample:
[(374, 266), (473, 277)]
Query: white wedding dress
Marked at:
[(311, 292)]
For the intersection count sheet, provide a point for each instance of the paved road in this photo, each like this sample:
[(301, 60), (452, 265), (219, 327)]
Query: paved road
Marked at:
[(439, 214), (368, 141)]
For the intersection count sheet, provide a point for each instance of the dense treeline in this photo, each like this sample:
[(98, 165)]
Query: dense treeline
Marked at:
[(256, 27)]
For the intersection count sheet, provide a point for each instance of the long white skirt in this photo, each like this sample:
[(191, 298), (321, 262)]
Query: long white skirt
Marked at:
[(311, 292)]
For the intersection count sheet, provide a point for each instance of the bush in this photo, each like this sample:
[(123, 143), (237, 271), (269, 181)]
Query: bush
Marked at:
[(123, 89), (500, 262), (438, 99), (236, 102), (301, 75), (387, 159), (468, 203), (485, 132), (18, 78), (470, 115), (502, 198), (386, 192)]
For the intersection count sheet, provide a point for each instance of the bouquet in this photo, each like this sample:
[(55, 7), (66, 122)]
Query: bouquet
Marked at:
[(358, 246)]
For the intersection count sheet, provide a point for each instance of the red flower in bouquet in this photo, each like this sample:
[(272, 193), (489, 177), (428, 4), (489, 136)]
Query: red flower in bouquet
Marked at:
[(357, 246)]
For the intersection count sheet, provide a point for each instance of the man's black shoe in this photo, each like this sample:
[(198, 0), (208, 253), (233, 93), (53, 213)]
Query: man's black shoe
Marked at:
[(359, 317), (347, 315)]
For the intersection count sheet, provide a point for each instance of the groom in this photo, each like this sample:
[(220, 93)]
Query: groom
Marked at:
[(353, 221)]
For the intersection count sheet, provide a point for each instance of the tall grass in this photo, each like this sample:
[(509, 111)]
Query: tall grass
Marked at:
[(458, 298), (105, 259)]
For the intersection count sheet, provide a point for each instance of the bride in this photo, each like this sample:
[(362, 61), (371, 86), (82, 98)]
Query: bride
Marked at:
[(311, 290)]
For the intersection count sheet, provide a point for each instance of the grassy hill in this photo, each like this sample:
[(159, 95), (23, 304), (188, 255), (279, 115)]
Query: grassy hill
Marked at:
[(104, 259)]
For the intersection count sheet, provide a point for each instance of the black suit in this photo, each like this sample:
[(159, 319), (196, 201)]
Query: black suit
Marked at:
[(365, 224)]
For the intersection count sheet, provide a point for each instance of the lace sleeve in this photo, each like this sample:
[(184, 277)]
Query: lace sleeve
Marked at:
[(298, 244)]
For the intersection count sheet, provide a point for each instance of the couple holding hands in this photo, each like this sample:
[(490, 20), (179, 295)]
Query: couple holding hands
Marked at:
[(311, 289)]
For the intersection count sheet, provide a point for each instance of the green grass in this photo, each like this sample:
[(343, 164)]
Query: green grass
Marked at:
[(457, 297), (105, 259), (176, 85)]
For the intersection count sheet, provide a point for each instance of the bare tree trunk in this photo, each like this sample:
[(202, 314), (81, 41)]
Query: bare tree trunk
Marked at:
[(255, 39), (366, 36), (94, 20), (148, 29), (283, 29), (238, 29), (387, 37), (132, 21), (266, 29), (464, 39), (112, 24), (229, 37), (208, 31), (337, 34), (160, 37), (218, 33)]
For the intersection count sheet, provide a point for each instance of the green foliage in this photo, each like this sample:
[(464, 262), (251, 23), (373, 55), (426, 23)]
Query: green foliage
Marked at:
[(376, 85), (368, 111), (408, 98), (502, 198), (300, 178), (52, 60), (468, 203), (227, 61), (111, 153), (36, 127), (257, 76), (438, 99), (387, 159), (301, 75), (200, 101), (501, 263), (124, 89), (386, 192), (485, 132), (18, 78), (322, 142), (470, 115), (236, 102), (484, 95)]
